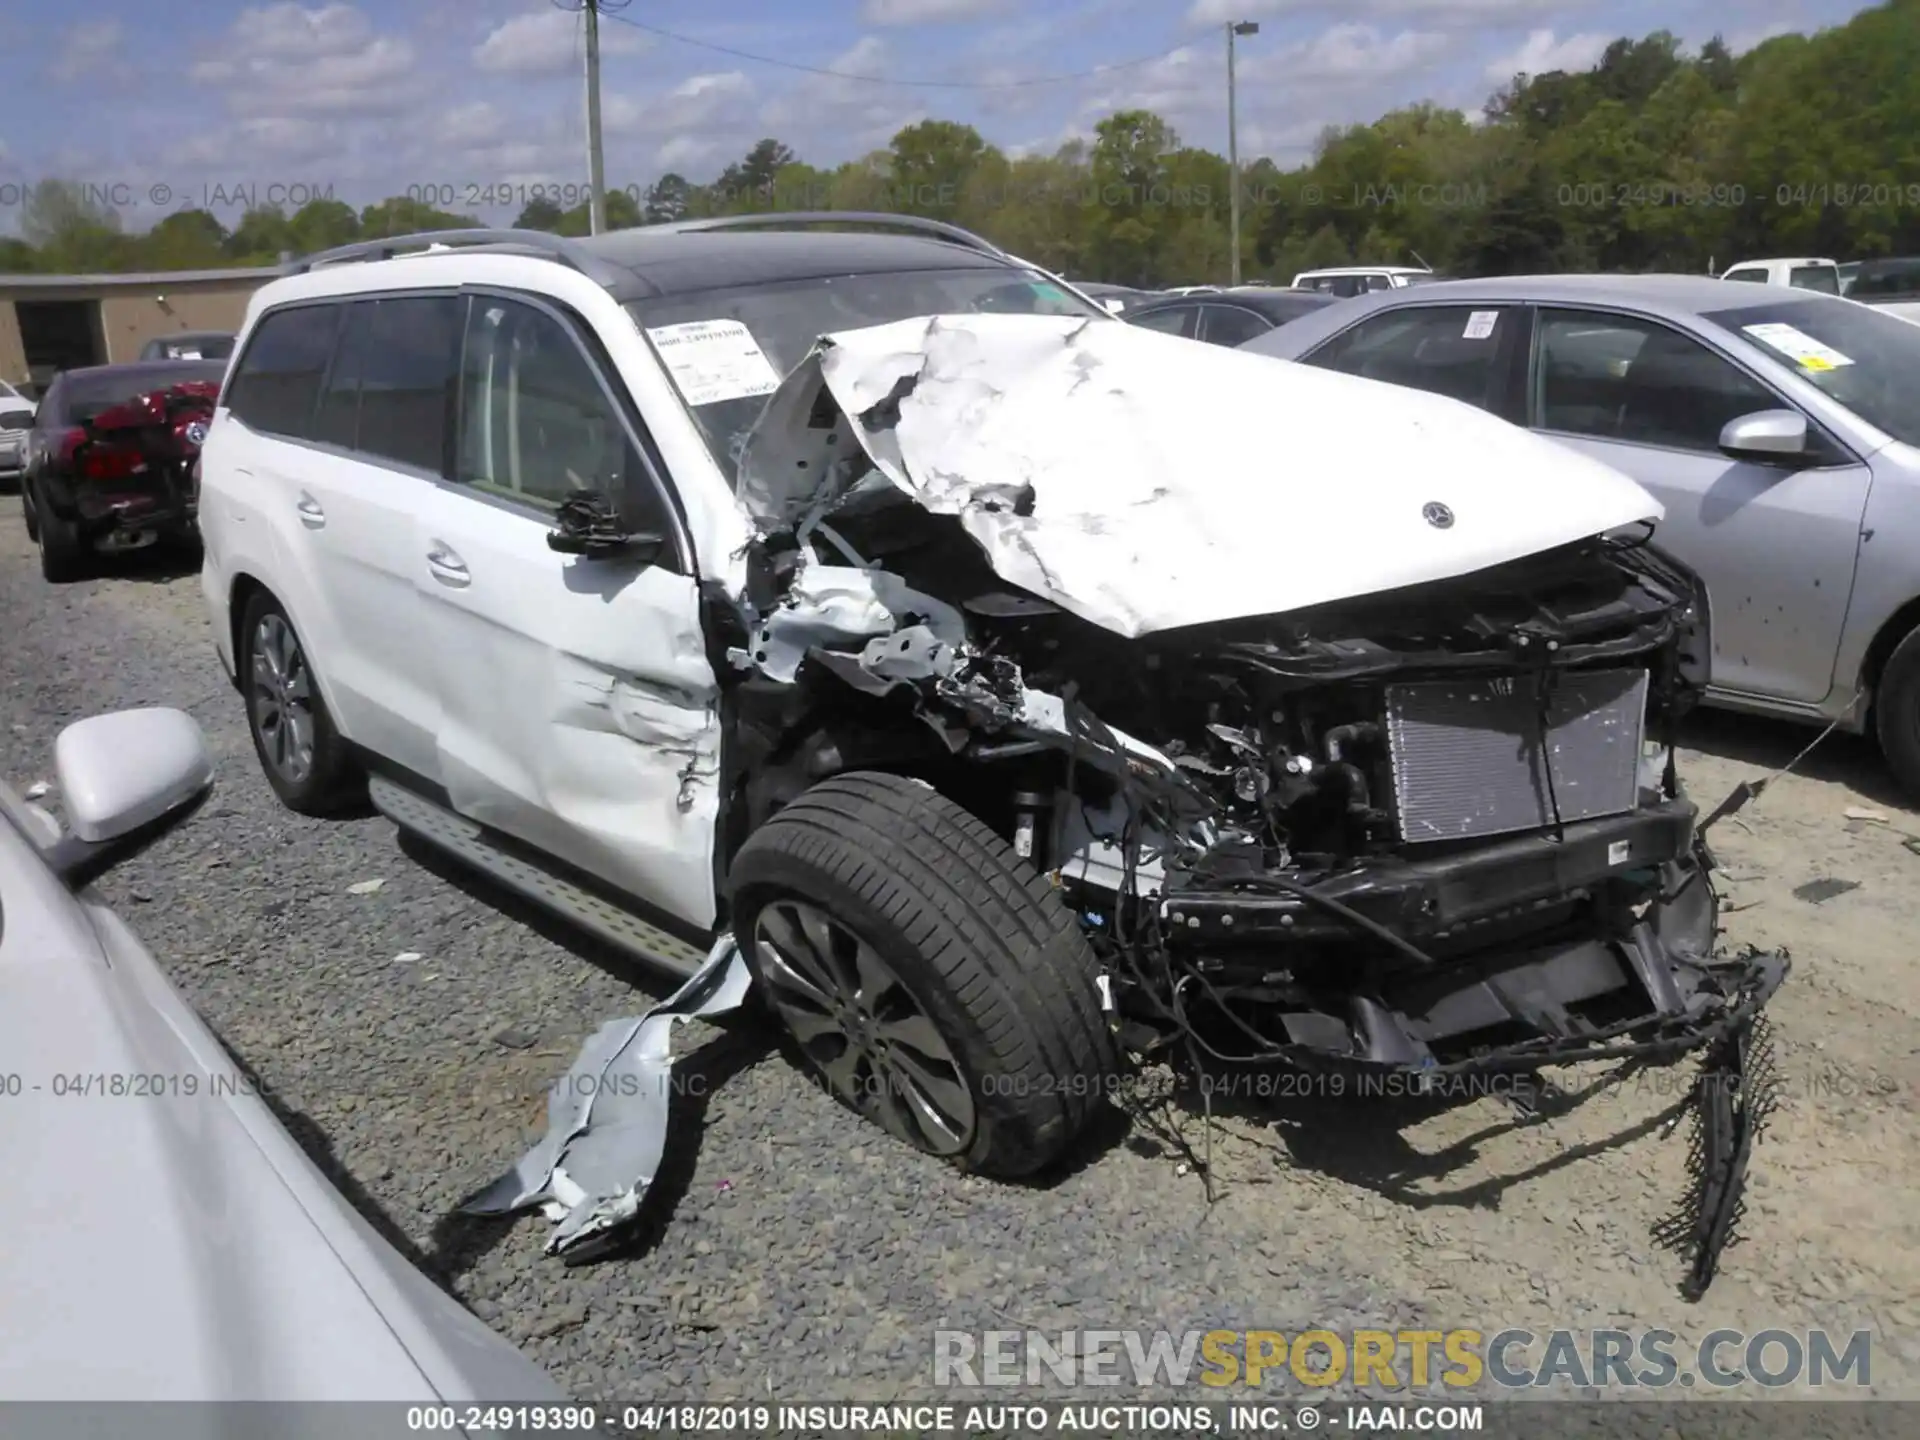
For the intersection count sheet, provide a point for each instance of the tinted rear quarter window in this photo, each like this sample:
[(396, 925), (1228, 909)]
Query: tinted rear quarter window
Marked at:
[(1824, 278), (389, 392), (277, 384)]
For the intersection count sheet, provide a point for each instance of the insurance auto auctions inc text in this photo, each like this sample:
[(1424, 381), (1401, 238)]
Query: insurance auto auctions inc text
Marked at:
[(1395, 1360)]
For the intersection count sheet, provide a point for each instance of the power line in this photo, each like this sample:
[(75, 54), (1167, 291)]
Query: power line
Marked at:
[(612, 12)]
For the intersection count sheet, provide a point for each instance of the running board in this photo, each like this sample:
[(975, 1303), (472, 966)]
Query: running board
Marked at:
[(468, 841)]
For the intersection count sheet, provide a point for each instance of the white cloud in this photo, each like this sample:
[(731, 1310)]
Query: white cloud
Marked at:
[(1432, 12), (1542, 52), (548, 43), (859, 115), (927, 12), (87, 48), (284, 60)]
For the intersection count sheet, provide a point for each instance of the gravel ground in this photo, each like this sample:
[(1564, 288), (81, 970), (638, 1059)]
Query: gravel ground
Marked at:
[(793, 1253)]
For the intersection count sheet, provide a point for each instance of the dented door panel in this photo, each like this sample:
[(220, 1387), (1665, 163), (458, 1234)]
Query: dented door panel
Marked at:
[(580, 714)]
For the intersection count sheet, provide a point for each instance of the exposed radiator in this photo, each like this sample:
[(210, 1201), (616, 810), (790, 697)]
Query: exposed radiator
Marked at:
[(1467, 757)]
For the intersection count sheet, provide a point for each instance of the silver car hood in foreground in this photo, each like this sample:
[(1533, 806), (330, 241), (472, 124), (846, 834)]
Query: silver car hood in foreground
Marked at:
[(177, 1244), (1146, 482)]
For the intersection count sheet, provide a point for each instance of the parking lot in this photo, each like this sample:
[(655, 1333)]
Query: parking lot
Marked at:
[(409, 1030)]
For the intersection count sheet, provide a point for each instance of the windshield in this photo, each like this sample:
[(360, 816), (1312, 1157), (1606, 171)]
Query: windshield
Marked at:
[(1862, 359), (727, 349)]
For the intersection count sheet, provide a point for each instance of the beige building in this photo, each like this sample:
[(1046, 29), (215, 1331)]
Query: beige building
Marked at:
[(61, 322)]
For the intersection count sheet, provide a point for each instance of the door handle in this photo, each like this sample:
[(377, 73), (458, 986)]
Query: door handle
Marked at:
[(311, 515), (447, 567)]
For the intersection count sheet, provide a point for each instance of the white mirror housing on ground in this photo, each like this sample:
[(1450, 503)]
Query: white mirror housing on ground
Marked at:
[(124, 770)]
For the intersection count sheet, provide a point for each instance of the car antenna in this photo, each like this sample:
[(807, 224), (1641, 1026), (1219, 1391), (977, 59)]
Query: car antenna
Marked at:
[(1750, 790), (1418, 256)]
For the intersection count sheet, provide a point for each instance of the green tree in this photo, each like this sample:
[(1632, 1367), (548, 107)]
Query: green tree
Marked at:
[(73, 230), (322, 225), (263, 233), (666, 200), (539, 213), (185, 240), (931, 163), (399, 215)]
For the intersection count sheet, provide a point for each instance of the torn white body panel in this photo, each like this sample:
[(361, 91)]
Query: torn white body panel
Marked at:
[(1171, 483), (607, 1116), (840, 607)]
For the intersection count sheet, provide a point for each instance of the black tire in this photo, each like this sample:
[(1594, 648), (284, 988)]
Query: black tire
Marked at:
[(977, 937), (64, 556), (333, 779), (1896, 714), (28, 516)]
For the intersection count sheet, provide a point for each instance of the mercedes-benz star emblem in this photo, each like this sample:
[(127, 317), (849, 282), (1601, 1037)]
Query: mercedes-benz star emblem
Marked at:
[(1436, 514), (197, 435)]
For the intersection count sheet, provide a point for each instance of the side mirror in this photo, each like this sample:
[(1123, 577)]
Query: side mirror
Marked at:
[(126, 779), (1774, 435), (591, 525)]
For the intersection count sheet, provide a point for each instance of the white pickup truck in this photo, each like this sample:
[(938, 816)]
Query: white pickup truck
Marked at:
[(1801, 272)]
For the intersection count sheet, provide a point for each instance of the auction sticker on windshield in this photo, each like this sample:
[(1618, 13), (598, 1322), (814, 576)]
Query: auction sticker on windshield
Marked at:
[(1797, 345), (715, 360), (1480, 324)]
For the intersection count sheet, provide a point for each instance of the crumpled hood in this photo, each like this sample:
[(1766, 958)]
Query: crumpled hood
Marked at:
[(1145, 482)]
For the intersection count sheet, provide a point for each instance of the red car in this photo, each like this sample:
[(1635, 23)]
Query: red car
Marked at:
[(110, 460)]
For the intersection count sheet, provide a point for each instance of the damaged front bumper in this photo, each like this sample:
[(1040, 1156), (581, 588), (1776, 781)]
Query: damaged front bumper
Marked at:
[(1541, 949)]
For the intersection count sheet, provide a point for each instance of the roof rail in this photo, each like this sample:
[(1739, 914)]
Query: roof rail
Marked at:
[(778, 219), (501, 240)]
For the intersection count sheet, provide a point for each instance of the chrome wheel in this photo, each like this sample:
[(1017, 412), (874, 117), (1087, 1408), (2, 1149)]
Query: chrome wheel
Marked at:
[(877, 1048), (282, 699)]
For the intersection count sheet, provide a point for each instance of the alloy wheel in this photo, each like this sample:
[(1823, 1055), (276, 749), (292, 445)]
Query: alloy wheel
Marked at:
[(282, 699), (875, 1045)]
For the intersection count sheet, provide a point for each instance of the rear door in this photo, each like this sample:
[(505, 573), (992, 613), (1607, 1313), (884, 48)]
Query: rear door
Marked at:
[(579, 712), (1776, 544), (378, 446)]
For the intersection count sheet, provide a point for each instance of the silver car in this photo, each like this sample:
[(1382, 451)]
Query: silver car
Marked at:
[(166, 1238), (1780, 428)]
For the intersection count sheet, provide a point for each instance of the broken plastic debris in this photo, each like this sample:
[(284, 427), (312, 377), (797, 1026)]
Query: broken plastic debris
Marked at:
[(407, 957), (724, 1186), (365, 887), (607, 1116), (1861, 812), (37, 790)]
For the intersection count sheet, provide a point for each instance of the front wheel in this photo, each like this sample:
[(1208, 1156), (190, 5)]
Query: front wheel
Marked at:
[(935, 981), (308, 764)]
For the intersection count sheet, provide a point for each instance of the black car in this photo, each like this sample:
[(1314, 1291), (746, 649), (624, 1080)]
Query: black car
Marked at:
[(190, 345), (1226, 317), (110, 457)]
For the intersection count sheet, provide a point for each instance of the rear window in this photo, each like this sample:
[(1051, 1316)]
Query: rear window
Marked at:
[(1887, 277), (278, 379), (1755, 276), (193, 347), (1824, 278)]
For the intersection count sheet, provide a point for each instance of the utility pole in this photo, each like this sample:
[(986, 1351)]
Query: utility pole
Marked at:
[(596, 167), (1234, 27)]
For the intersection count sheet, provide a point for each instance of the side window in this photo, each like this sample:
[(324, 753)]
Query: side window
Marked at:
[(277, 383), (406, 379), (1174, 319), (1451, 350), (1379, 282), (1754, 274), (535, 424), (336, 419), (1618, 377), (1230, 325), (1824, 278)]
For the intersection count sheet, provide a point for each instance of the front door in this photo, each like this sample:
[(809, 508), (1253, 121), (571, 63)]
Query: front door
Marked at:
[(579, 713), (1775, 544)]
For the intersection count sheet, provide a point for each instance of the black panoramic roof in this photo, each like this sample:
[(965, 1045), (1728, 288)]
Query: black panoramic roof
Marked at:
[(682, 263), (689, 256)]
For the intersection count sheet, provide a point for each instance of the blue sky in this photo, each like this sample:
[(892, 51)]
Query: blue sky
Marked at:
[(194, 100)]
